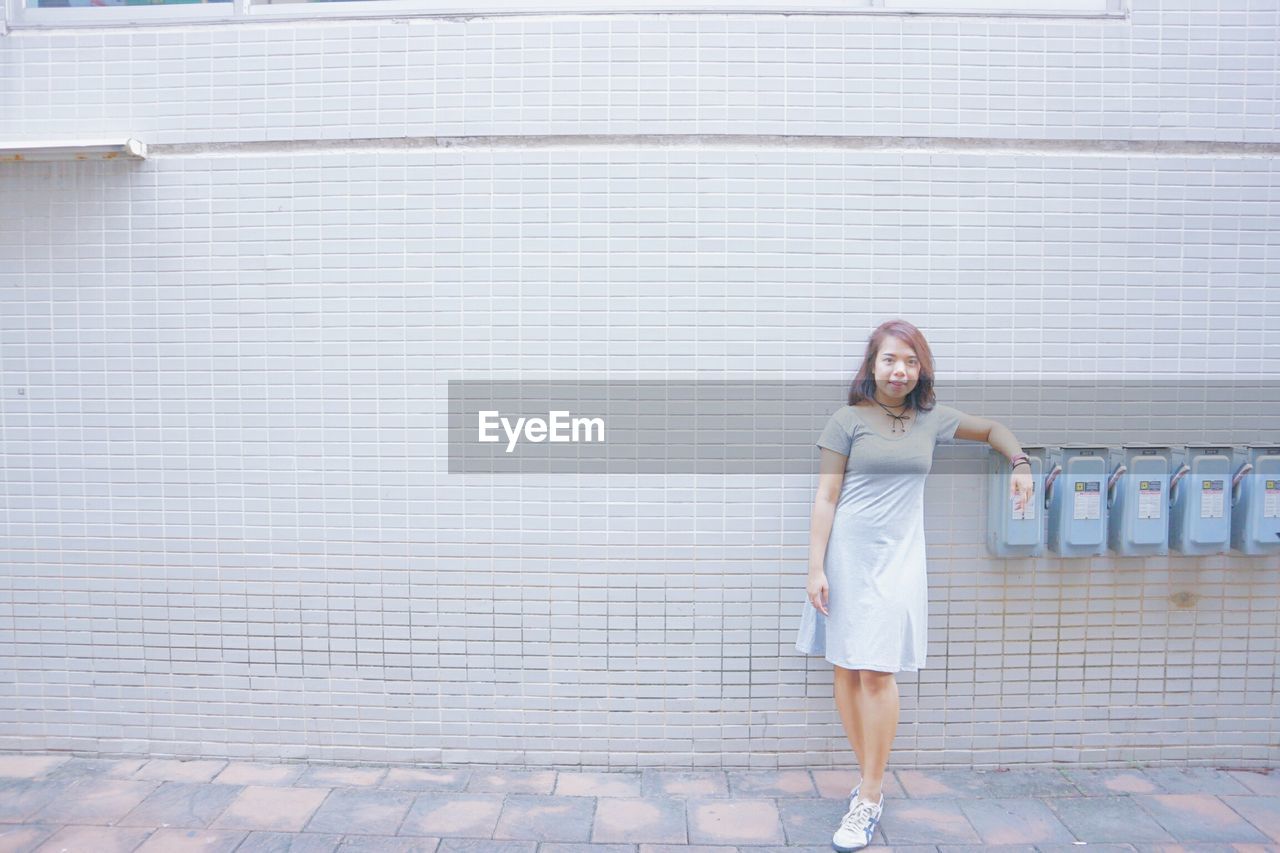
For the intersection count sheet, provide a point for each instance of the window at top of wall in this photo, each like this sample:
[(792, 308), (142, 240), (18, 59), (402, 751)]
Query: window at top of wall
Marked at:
[(62, 13)]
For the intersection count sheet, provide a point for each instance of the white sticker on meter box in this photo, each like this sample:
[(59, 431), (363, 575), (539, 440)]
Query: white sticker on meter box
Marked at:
[(1149, 502), (1211, 498), (1088, 503)]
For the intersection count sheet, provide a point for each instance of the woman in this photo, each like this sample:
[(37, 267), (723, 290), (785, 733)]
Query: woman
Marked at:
[(867, 598)]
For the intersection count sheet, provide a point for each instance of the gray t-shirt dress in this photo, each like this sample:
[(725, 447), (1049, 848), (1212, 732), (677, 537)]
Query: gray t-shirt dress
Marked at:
[(875, 562)]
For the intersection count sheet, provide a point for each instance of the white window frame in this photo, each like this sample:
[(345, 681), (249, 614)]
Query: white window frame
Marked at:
[(17, 15)]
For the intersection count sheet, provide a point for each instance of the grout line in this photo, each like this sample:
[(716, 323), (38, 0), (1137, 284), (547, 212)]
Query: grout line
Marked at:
[(755, 142)]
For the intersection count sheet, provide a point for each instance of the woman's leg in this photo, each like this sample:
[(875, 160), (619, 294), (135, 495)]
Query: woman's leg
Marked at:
[(876, 699), (846, 690)]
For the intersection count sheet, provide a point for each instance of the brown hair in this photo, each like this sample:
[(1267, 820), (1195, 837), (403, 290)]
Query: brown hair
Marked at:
[(864, 384)]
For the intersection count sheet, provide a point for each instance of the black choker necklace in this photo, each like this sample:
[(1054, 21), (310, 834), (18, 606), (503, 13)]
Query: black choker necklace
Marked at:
[(898, 420)]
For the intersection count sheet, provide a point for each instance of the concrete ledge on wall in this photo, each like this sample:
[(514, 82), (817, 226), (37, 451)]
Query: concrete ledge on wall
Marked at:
[(129, 149)]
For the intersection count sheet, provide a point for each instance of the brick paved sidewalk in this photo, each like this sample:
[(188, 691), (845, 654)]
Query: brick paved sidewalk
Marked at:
[(67, 804)]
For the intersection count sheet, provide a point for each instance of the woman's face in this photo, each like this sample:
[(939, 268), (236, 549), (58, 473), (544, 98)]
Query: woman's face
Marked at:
[(896, 363)]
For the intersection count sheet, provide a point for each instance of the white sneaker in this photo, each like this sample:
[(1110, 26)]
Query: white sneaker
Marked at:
[(853, 795), (858, 825)]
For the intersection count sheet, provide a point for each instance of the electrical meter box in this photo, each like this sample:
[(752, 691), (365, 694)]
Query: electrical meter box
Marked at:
[(1076, 488), (1255, 513), (1138, 513), (1200, 491), (1012, 530)]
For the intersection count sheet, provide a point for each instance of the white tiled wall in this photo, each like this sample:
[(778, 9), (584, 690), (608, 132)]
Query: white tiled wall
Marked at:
[(227, 525)]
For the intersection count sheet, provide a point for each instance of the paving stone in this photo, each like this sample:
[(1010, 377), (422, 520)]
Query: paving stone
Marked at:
[(838, 784), (176, 770), (29, 766), (734, 822), (272, 809), (630, 820), (192, 841), (990, 848), (806, 821), (181, 804), (1106, 782), (576, 847), (468, 845), (925, 784), (1027, 782), (1259, 781), (803, 848), (25, 838), (20, 799), (289, 842), (1078, 848), (512, 781), (1014, 821), (423, 779), (387, 844), (257, 773), (330, 776), (1262, 812), (449, 814), (1194, 780), (573, 784), (771, 783), (545, 818), (1203, 847), (1198, 817), (684, 783), (114, 768), (1110, 819), (928, 821), (356, 811), (94, 839), (704, 848), (94, 801)]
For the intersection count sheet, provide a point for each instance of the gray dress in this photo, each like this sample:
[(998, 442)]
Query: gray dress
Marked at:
[(875, 562)]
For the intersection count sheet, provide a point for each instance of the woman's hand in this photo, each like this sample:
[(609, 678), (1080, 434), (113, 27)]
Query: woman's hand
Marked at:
[(818, 591), (1021, 487)]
